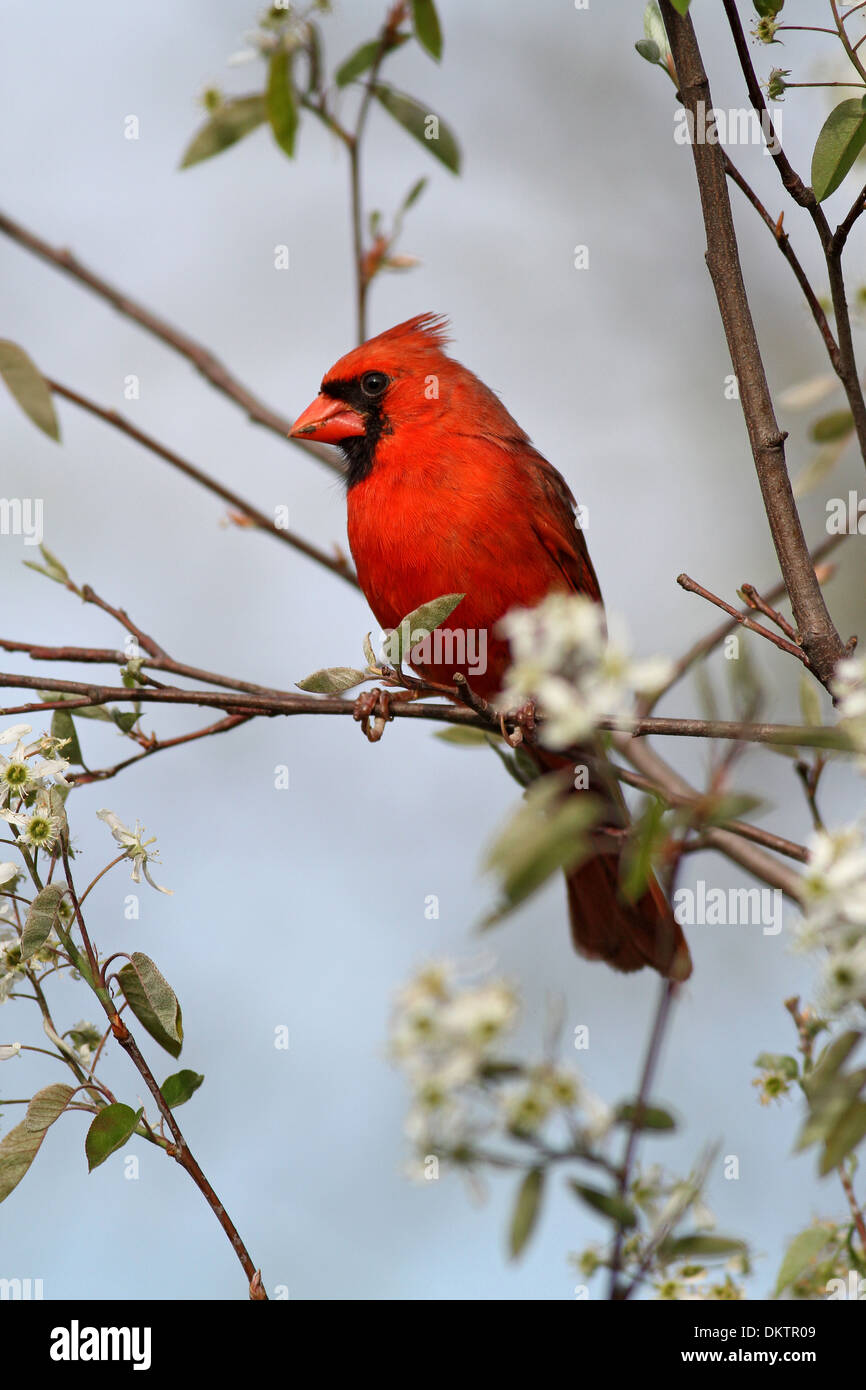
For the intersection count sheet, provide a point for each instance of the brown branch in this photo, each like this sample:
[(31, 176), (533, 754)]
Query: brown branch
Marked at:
[(201, 357), (760, 605), (750, 857), (819, 638), (180, 1149), (706, 644), (832, 244), (753, 833), (102, 774), (667, 993), (262, 521), (691, 586), (783, 242), (272, 705)]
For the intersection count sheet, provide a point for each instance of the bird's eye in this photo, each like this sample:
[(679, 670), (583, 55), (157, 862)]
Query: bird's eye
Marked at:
[(373, 383)]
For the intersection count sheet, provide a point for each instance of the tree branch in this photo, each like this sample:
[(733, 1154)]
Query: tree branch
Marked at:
[(201, 357), (337, 565), (819, 638)]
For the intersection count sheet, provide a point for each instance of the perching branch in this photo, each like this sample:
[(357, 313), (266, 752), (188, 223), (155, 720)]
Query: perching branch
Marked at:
[(818, 636)]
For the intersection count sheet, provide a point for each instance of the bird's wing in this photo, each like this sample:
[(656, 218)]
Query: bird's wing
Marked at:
[(555, 524)]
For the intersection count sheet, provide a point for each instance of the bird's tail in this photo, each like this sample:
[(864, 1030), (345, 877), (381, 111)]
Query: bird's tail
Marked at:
[(628, 936), (605, 925)]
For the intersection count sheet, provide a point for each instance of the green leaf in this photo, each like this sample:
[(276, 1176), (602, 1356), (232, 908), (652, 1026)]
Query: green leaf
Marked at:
[(40, 918), (681, 6), (363, 59), (18, 1149), (125, 719), (840, 141), (428, 30), (705, 1246), (527, 1209), (810, 700), (768, 9), (178, 1088), (153, 1001), (844, 1136), (229, 123), (63, 727), (332, 680), (817, 469), (52, 569), (608, 1204), (47, 1106), (652, 1117), (109, 1131), (29, 387), (413, 195), (803, 1249), (463, 737), (654, 28), (649, 49), (517, 764), (546, 834), (281, 102), (647, 836), (428, 128), (419, 624), (837, 425)]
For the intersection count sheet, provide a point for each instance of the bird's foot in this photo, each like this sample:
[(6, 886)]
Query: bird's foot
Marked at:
[(523, 724), (373, 709)]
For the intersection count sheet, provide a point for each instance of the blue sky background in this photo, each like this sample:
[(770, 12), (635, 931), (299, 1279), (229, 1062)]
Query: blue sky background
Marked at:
[(305, 907)]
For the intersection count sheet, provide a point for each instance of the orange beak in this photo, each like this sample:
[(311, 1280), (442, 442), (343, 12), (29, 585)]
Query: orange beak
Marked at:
[(327, 420)]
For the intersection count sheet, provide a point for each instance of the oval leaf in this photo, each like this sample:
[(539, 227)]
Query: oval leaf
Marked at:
[(706, 1247), (651, 1117), (841, 138), (332, 680), (803, 1249), (428, 30), (230, 123), (47, 1106), (18, 1149), (153, 1001), (526, 1211), (424, 125), (62, 727), (606, 1203), (41, 918), (110, 1129), (837, 425), (29, 388), (421, 620), (282, 106), (178, 1088), (464, 738)]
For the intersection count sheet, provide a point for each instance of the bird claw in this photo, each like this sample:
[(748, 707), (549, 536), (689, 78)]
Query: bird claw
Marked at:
[(523, 720), (373, 711)]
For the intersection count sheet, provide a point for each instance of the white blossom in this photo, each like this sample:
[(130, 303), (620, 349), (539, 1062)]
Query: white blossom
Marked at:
[(135, 848), (565, 660)]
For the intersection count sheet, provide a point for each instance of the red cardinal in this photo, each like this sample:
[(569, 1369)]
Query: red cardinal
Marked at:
[(447, 495)]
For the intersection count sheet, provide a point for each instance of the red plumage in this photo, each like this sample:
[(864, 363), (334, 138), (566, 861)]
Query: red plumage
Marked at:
[(447, 495)]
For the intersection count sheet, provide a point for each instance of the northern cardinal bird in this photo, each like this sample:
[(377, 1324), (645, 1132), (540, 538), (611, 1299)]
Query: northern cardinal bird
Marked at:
[(447, 495)]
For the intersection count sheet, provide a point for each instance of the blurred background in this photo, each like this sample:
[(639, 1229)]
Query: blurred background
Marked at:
[(305, 907)]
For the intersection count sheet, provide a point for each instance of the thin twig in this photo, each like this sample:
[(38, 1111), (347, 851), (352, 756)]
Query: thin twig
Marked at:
[(265, 523)]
